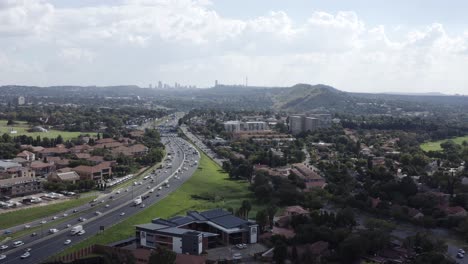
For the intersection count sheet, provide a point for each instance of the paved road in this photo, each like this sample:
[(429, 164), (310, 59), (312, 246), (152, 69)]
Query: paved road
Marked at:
[(183, 157), (198, 142)]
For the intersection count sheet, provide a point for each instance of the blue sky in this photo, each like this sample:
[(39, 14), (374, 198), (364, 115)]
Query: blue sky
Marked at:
[(354, 45)]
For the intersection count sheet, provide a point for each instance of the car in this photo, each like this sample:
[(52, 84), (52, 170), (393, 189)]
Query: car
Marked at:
[(97, 213), (107, 206), (68, 225), (2, 256), (27, 226), (126, 190), (25, 255), (160, 188), (43, 221), (75, 210), (148, 187), (2, 247), (122, 213), (68, 241), (461, 251), (102, 201), (18, 243), (34, 234), (152, 190), (237, 256), (82, 232), (81, 219), (7, 232), (28, 250), (55, 218), (65, 215), (460, 255), (142, 206)]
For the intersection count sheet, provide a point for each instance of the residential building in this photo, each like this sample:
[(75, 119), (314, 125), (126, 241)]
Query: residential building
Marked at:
[(302, 123), (21, 100), (7, 164), (42, 168), (232, 126), (310, 177), (19, 186), (27, 155), (98, 172), (196, 232), (70, 177)]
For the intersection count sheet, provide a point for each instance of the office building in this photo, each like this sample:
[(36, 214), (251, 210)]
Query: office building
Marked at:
[(196, 232), (302, 123)]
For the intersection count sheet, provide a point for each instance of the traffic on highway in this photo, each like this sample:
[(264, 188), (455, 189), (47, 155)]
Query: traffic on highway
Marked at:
[(80, 223)]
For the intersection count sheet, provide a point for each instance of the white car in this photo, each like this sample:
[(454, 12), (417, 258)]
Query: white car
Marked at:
[(68, 225), (142, 206), (25, 255), (2, 256), (81, 219), (27, 226), (237, 256), (3, 247), (43, 221), (65, 215), (107, 206), (68, 241), (122, 213), (54, 218), (82, 232), (18, 243)]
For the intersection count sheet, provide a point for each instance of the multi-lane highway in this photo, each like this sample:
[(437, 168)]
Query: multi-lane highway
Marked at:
[(181, 162)]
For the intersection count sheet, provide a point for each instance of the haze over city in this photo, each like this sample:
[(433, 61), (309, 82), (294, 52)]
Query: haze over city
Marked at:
[(356, 46)]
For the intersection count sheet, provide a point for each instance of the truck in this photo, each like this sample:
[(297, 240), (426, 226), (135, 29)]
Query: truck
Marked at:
[(76, 229), (137, 201)]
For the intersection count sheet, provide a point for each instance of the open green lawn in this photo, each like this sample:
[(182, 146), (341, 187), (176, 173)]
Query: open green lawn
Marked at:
[(24, 216), (435, 145), (208, 180), (21, 128)]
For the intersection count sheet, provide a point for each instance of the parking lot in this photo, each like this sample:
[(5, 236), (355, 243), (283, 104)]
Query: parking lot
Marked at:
[(222, 253)]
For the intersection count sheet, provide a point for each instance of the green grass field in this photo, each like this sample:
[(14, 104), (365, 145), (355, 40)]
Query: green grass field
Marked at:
[(208, 179), (24, 216), (435, 145), (21, 128)]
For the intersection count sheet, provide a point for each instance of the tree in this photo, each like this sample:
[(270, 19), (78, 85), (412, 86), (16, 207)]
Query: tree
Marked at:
[(271, 211), (246, 207), (162, 255), (280, 253), (10, 122), (262, 219)]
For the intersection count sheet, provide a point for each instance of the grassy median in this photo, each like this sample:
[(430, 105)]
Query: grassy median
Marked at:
[(27, 215), (208, 188)]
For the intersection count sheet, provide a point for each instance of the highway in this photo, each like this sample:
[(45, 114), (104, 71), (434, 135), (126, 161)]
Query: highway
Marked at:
[(113, 207)]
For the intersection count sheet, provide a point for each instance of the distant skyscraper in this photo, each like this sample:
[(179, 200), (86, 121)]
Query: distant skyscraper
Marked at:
[(160, 85), (216, 83)]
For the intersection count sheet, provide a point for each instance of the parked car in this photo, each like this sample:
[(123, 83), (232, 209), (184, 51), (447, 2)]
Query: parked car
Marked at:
[(2, 256), (68, 241), (2, 247)]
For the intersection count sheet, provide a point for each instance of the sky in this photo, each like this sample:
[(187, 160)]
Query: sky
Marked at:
[(353, 45)]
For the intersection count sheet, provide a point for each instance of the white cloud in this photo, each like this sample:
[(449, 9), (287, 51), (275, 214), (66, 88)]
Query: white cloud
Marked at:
[(141, 41)]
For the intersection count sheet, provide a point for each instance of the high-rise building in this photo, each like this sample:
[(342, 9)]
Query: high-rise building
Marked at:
[(21, 100), (160, 85), (216, 83), (302, 123)]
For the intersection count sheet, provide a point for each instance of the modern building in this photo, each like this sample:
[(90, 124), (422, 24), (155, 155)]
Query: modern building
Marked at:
[(196, 232), (70, 177), (296, 124)]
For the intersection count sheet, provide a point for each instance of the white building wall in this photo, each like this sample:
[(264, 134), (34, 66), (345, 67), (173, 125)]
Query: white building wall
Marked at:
[(177, 244)]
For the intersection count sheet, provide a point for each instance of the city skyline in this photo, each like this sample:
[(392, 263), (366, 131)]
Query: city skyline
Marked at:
[(355, 46)]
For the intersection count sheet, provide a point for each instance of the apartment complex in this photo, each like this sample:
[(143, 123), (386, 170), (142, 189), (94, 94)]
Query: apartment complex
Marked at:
[(303, 123), (238, 126)]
